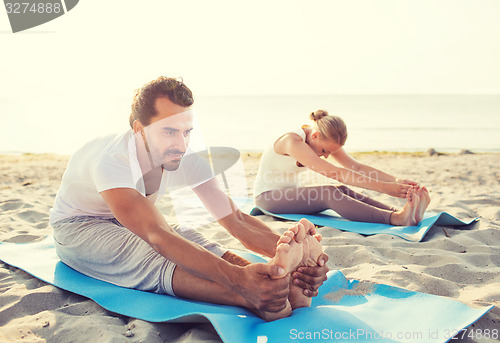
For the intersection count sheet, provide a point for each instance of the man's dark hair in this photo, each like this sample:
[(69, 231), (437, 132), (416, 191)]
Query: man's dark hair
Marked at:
[(143, 105)]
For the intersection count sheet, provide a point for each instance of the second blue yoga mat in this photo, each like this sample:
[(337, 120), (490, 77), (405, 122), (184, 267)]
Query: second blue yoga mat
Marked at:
[(410, 233)]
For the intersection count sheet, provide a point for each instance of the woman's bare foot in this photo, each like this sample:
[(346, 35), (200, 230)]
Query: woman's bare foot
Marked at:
[(424, 200), (406, 216), (290, 255)]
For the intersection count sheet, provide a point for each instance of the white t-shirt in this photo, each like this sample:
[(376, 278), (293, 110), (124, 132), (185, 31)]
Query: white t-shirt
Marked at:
[(277, 171), (111, 162)]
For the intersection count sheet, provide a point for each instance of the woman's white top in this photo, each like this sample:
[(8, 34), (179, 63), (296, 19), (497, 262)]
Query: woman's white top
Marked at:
[(277, 171)]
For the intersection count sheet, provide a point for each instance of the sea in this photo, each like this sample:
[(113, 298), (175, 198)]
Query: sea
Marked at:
[(401, 123), (406, 123)]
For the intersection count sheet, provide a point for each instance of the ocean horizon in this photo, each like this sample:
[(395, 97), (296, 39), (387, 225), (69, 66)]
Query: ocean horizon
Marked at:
[(400, 123), (406, 123)]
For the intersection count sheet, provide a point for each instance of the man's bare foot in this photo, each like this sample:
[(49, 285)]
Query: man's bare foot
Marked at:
[(406, 216), (424, 200), (290, 255), (312, 251)]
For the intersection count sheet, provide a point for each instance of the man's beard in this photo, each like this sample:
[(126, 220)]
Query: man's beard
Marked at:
[(167, 163), (171, 165)]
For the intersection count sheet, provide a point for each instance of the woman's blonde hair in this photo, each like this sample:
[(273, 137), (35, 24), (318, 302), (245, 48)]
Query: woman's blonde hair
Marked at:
[(330, 127)]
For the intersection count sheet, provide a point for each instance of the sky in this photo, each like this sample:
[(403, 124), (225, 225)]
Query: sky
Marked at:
[(91, 59), (260, 47)]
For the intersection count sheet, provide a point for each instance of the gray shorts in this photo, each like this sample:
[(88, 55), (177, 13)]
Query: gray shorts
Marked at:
[(103, 249)]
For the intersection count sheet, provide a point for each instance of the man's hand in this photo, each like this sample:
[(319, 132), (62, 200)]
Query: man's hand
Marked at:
[(310, 278), (264, 286)]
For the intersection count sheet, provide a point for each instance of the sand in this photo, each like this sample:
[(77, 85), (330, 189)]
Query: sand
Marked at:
[(459, 263)]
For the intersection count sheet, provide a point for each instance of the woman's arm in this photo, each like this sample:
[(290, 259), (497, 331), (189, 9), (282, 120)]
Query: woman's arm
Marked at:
[(346, 160), (294, 146)]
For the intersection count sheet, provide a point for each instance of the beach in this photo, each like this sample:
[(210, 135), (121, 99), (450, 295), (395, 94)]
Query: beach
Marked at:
[(461, 263)]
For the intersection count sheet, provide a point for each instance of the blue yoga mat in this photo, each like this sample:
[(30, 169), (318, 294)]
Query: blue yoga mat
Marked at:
[(410, 233), (345, 310)]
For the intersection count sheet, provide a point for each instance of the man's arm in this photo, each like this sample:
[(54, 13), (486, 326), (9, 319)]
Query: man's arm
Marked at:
[(307, 278), (250, 231), (256, 235), (141, 217)]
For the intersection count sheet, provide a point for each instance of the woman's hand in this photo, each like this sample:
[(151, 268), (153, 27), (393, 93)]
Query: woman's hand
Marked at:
[(408, 182), (395, 189)]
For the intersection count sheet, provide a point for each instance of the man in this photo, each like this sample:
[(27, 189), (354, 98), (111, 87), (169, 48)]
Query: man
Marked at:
[(106, 225)]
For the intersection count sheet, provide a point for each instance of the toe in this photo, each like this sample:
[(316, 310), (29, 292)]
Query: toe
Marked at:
[(282, 249), (284, 239)]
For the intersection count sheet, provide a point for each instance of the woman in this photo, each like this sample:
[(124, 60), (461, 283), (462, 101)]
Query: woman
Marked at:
[(277, 189)]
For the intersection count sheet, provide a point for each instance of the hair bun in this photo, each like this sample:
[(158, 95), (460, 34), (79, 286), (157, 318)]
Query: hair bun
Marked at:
[(318, 115)]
